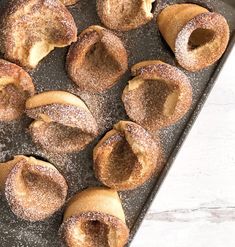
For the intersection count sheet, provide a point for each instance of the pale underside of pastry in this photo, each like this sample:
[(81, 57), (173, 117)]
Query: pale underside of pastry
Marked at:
[(15, 87), (94, 217), (97, 60), (124, 15), (158, 96), (196, 36), (34, 189), (63, 123), (127, 156), (31, 29)]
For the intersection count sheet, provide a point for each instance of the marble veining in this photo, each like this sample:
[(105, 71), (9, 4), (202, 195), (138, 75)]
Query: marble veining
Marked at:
[(196, 205)]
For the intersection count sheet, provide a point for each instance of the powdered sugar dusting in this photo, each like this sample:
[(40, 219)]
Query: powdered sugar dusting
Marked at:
[(142, 44)]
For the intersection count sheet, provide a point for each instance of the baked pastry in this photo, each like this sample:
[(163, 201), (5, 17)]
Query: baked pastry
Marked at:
[(68, 2), (15, 87), (63, 122), (158, 95), (124, 15), (33, 28), (97, 60), (126, 156), (196, 36), (94, 217), (34, 189)]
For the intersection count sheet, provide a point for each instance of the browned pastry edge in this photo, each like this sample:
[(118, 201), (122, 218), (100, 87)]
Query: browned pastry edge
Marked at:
[(133, 20), (15, 87), (37, 46), (179, 23), (16, 180), (63, 123), (100, 48), (157, 70), (69, 2), (97, 204), (116, 225), (204, 59), (147, 152)]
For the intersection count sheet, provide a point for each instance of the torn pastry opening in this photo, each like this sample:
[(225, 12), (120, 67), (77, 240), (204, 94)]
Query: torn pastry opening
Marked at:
[(34, 189), (156, 97), (197, 36), (200, 37), (121, 161), (32, 29), (97, 60), (125, 15), (161, 93), (94, 217), (126, 156), (94, 233), (15, 87), (63, 123)]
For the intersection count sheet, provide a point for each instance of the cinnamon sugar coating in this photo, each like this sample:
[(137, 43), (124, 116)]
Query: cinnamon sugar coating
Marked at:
[(68, 2), (127, 156), (34, 189), (196, 36), (32, 28), (124, 15), (61, 127), (158, 96), (97, 60), (94, 217), (15, 87)]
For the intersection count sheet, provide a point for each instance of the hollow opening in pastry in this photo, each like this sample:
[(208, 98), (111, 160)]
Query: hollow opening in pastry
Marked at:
[(200, 37), (127, 10), (121, 162), (155, 98), (60, 136), (33, 188), (98, 61), (96, 233)]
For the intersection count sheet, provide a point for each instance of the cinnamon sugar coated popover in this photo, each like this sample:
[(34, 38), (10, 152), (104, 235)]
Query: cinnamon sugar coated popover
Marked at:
[(97, 60), (33, 28), (15, 87), (63, 123), (125, 15), (34, 189), (196, 36), (126, 156), (95, 217), (158, 95)]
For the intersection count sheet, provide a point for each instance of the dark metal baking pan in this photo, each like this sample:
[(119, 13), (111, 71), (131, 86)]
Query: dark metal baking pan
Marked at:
[(142, 44)]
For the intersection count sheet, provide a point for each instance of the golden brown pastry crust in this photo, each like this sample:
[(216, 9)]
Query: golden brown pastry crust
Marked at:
[(127, 156), (34, 189), (63, 122), (97, 60), (68, 2), (15, 87), (196, 36), (32, 28), (94, 217), (124, 15), (158, 96)]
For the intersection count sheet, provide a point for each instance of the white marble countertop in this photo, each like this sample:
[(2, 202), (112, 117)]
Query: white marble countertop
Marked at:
[(195, 207)]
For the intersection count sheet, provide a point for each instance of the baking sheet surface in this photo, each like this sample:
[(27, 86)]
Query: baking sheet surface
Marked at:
[(142, 44)]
